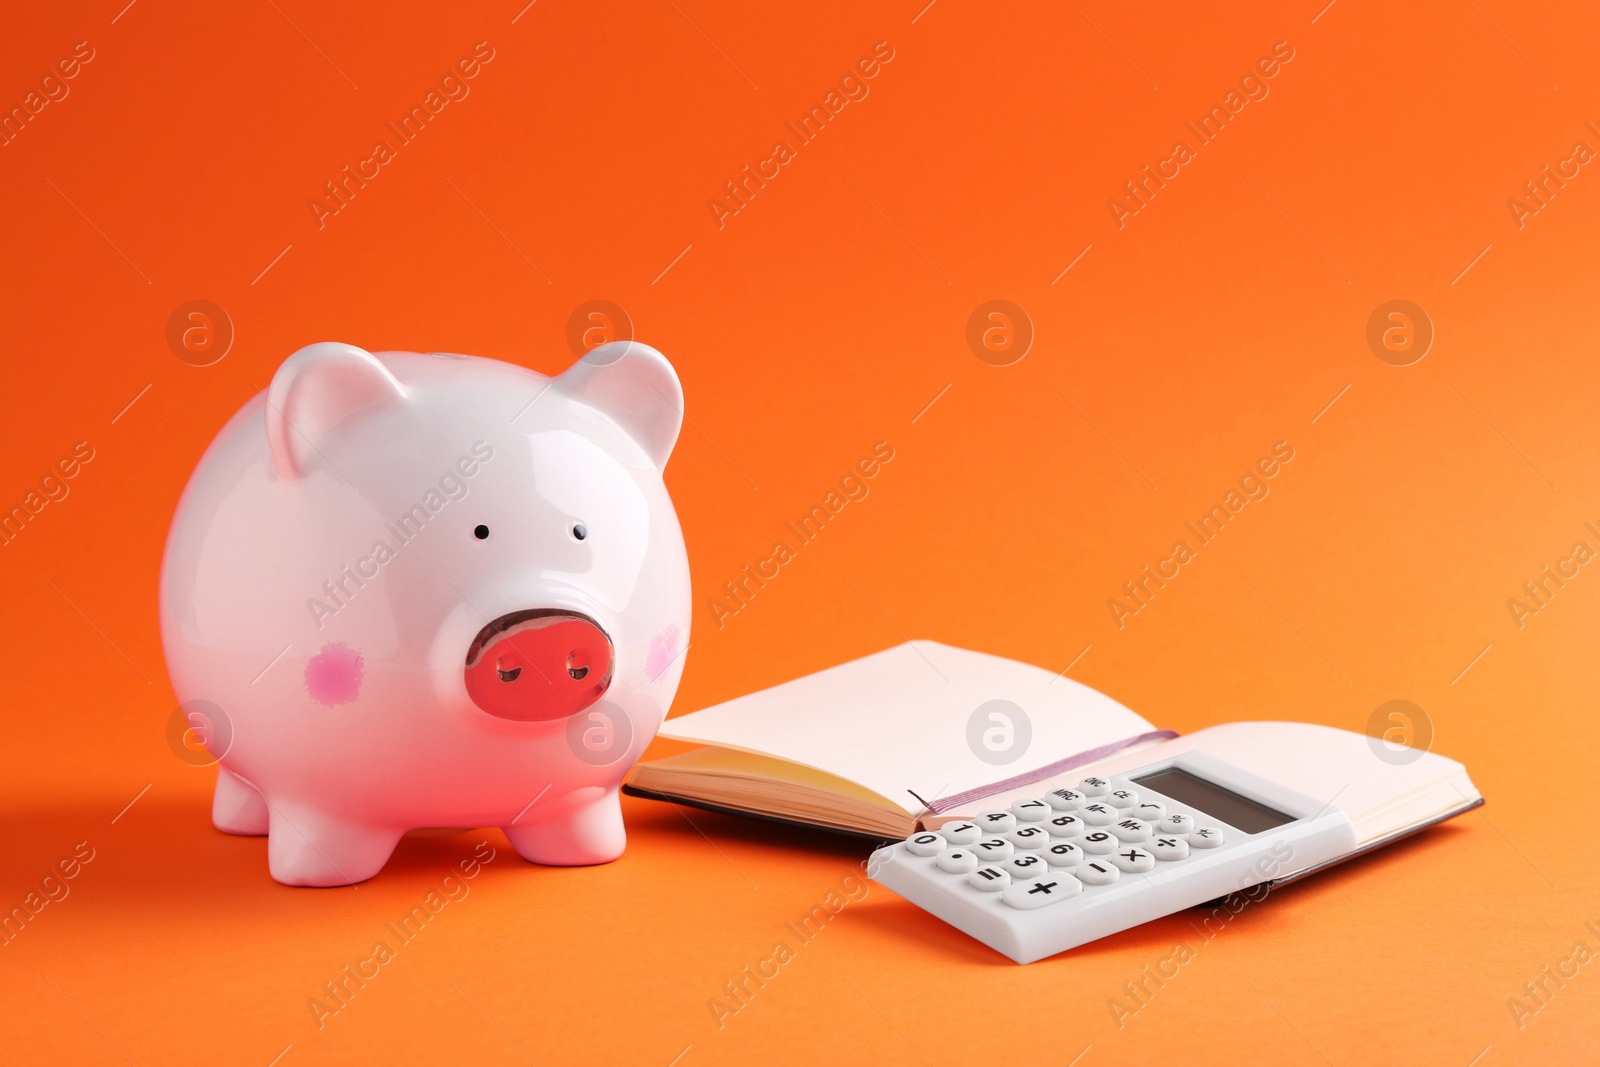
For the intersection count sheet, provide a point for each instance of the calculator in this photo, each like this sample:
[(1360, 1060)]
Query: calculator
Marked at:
[(1053, 872)]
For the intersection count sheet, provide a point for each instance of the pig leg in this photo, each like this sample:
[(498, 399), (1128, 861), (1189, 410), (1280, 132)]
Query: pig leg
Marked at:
[(585, 827), (238, 807), (310, 847)]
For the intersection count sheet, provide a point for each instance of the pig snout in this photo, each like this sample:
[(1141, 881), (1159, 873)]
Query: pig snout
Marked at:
[(538, 665)]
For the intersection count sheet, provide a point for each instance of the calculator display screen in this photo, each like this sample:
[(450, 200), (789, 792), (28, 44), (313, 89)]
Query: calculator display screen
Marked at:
[(1220, 803)]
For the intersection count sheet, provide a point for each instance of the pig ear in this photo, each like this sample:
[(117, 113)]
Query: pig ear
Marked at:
[(636, 386), (317, 388)]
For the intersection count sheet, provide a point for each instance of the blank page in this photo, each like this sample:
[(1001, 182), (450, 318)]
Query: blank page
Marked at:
[(1332, 766), (902, 719)]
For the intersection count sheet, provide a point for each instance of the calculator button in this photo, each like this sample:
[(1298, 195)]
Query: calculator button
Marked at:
[(956, 861), (1131, 829), (1029, 837), (960, 833), (1151, 811), (1041, 892), (1062, 854), (1028, 865), (1097, 843), (925, 844), (1064, 799), (1122, 798), (1176, 823), (1030, 810), (1064, 826), (990, 879), (1167, 848), (996, 822), (1094, 787), (1133, 860), (1098, 814), (993, 849), (1205, 837), (1096, 872)]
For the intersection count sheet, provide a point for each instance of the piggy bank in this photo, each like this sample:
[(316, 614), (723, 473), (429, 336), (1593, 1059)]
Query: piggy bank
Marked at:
[(410, 591)]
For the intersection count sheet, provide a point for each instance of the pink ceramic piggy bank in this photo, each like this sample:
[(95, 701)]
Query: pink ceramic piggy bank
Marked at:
[(407, 591)]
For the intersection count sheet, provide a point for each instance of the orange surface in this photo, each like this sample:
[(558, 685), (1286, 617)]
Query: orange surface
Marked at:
[(825, 316)]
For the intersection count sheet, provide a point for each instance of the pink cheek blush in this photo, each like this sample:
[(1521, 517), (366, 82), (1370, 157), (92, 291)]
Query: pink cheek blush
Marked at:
[(663, 650), (334, 675)]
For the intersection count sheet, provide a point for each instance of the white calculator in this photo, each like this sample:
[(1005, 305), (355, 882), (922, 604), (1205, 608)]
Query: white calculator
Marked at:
[(1073, 865)]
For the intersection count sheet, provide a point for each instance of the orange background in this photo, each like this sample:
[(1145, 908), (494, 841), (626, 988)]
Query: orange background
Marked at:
[(824, 317)]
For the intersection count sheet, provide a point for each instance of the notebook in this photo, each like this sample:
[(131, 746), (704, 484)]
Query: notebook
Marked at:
[(924, 733)]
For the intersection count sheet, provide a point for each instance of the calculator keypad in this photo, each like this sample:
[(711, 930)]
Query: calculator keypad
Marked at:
[(1046, 850)]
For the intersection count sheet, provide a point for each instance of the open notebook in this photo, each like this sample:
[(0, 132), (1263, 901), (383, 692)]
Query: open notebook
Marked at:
[(888, 744)]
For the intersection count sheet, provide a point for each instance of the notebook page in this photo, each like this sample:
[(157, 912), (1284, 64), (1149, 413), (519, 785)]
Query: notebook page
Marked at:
[(1336, 767), (901, 720)]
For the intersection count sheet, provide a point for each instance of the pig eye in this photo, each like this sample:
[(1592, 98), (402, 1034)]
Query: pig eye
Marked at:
[(578, 532), (481, 532)]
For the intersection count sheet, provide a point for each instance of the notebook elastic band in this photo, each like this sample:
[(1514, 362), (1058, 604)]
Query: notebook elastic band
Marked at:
[(944, 804)]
